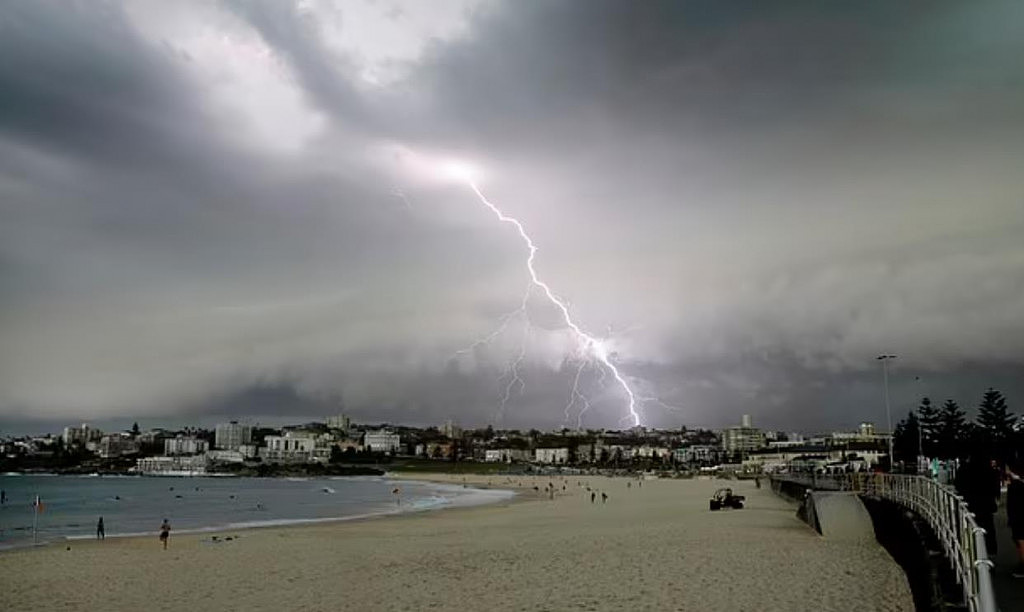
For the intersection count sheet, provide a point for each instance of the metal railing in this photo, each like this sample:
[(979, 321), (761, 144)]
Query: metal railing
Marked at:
[(945, 511)]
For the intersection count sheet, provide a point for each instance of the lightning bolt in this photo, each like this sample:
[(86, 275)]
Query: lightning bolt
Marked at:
[(589, 344), (505, 319), (577, 394), (512, 370), (398, 193), (513, 375)]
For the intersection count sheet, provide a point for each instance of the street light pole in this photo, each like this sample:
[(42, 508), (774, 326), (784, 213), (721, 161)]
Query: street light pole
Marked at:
[(888, 412)]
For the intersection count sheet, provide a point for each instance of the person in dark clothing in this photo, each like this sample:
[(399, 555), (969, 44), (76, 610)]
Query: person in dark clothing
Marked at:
[(101, 533), (1015, 512), (979, 484), (165, 533)]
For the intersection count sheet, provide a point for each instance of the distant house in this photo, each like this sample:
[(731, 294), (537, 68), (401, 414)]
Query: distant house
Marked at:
[(551, 455)]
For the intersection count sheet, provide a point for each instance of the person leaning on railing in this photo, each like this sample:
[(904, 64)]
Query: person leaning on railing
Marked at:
[(1015, 511)]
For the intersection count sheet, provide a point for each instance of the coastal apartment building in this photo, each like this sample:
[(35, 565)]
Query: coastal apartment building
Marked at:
[(382, 441), (80, 435), (172, 466), (116, 445), (551, 455), (741, 440), (185, 445), (699, 454), (340, 421), (506, 455), (451, 430), (230, 436), (292, 448)]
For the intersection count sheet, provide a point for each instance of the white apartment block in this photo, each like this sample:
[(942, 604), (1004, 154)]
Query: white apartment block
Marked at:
[(340, 421), (185, 445), (290, 448), (80, 435), (506, 455), (172, 466), (229, 436), (382, 441), (551, 455)]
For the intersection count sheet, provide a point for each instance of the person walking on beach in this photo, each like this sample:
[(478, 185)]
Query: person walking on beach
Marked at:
[(101, 534), (3, 497), (1015, 511), (592, 496), (165, 533), (604, 497)]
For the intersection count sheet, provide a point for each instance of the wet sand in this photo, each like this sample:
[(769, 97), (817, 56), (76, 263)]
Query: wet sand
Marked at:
[(655, 547)]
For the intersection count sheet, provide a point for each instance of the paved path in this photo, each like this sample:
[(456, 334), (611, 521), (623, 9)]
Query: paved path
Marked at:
[(1009, 590)]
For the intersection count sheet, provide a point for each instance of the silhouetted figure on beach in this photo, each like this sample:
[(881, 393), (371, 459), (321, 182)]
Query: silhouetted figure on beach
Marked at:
[(165, 533), (629, 485), (101, 533), (592, 496), (604, 497), (3, 497)]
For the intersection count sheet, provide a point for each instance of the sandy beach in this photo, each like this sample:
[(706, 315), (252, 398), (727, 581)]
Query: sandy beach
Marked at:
[(655, 547)]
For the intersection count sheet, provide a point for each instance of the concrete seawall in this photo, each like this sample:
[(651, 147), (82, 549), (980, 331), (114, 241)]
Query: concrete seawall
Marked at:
[(839, 516), (848, 517)]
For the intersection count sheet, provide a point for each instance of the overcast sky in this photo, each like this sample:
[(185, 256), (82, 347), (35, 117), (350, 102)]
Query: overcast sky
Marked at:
[(234, 209)]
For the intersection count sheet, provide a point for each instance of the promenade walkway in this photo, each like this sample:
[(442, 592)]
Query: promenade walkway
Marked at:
[(1009, 590)]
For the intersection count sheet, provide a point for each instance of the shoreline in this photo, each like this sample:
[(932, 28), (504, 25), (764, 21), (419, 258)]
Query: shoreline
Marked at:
[(468, 500)]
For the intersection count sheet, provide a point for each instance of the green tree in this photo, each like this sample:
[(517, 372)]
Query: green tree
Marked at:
[(953, 430), (135, 429), (930, 420), (905, 441), (995, 422)]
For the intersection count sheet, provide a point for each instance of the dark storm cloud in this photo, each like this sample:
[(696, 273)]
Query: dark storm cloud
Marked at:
[(756, 200)]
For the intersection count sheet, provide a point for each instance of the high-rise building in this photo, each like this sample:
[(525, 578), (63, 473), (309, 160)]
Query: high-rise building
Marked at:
[(340, 421), (229, 436), (743, 439), (451, 430), (80, 435)]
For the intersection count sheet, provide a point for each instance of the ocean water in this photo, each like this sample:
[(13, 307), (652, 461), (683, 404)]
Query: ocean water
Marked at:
[(133, 505)]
